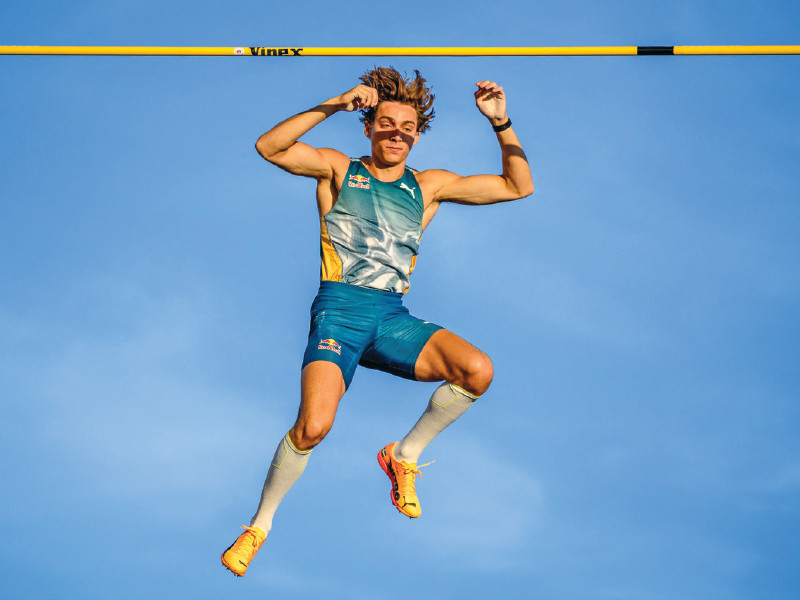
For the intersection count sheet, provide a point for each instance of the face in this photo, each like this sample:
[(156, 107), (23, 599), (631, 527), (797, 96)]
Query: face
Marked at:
[(393, 132)]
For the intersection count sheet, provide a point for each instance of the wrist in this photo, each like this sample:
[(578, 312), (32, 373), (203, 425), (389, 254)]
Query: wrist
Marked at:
[(332, 105), (499, 125)]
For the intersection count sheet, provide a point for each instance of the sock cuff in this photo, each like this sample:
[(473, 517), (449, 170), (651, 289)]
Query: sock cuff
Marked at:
[(288, 440), (286, 450), (462, 391)]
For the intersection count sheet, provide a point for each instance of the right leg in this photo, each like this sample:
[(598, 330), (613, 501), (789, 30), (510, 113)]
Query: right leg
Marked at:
[(341, 326), (322, 387)]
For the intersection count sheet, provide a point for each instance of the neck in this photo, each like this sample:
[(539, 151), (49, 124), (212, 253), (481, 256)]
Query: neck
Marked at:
[(384, 172)]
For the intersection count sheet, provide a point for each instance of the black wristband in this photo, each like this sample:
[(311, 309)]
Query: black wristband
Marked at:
[(503, 127)]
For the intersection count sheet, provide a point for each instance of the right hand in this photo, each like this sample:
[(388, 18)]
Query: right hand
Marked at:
[(359, 97)]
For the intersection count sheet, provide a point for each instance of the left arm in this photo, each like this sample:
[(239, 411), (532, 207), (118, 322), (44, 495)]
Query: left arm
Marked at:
[(515, 181)]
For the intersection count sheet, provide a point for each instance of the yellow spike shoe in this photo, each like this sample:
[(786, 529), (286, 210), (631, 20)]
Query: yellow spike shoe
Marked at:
[(403, 478), (239, 554)]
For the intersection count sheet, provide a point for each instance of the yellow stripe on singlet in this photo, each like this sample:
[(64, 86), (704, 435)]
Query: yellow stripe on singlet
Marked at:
[(331, 267)]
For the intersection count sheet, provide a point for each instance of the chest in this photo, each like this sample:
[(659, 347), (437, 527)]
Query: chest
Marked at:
[(396, 204)]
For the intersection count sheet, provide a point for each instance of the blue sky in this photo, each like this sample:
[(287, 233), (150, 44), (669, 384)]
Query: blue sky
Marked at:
[(640, 440)]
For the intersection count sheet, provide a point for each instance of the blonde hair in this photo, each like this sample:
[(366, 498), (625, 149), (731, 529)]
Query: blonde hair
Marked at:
[(393, 87)]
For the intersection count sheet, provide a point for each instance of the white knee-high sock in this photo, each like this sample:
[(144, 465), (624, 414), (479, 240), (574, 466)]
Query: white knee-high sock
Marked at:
[(287, 465), (447, 404)]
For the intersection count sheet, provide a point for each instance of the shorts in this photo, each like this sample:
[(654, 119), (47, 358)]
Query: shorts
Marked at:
[(353, 325)]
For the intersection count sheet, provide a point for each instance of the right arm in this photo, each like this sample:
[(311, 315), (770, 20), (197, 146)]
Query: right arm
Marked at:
[(281, 147)]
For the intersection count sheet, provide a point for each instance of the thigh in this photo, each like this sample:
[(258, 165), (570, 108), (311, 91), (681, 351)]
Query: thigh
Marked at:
[(340, 329), (322, 387), (451, 358), (400, 339)]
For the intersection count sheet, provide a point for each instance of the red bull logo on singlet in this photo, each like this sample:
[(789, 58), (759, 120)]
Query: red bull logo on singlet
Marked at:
[(358, 181), (330, 344)]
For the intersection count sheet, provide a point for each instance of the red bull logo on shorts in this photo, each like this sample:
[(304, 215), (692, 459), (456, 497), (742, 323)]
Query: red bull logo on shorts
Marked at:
[(358, 181), (330, 344)]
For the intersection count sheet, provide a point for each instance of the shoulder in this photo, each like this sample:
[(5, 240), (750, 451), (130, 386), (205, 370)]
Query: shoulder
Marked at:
[(432, 180), (433, 175), (335, 158), (338, 161)]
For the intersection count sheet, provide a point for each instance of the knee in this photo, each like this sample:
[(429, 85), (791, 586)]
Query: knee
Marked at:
[(307, 434), (478, 374)]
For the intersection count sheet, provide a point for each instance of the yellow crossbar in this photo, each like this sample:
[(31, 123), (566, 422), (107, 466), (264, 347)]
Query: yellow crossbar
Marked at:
[(410, 51)]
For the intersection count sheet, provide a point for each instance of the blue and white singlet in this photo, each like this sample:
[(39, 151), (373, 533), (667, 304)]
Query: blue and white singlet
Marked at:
[(370, 237)]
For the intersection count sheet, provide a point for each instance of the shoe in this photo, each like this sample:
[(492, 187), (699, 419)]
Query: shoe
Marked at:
[(403, 477), (239, 554)]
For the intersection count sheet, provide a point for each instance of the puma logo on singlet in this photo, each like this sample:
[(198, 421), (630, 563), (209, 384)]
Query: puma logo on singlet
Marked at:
[(410, 190)]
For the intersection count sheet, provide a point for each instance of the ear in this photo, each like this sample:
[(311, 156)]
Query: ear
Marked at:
[(368, 129), (416, 139)]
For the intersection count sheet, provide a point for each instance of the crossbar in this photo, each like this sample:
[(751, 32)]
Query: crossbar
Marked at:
[(400, 51)]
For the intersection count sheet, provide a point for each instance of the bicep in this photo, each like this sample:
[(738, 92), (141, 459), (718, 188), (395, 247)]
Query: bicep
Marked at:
[(475, 189), (307, 161)]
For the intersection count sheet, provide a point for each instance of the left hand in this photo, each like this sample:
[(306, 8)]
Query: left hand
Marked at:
[(491, 101)]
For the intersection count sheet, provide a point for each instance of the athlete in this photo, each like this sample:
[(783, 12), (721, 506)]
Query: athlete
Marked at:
[(373, 211)]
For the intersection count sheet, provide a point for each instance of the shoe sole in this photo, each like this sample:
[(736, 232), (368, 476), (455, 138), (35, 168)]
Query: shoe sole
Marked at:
[(225, 565)]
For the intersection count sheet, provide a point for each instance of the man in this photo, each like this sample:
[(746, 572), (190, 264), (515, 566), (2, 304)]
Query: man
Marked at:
[(373, 211)]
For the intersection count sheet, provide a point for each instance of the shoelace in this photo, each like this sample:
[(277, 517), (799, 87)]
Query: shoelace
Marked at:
[(408, 475), (252, 538)]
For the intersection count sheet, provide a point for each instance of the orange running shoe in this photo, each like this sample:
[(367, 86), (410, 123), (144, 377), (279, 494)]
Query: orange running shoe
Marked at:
[(239, 554), (403, 478)]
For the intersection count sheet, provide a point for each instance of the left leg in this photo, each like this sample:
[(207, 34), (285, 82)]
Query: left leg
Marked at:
[(467, 373)]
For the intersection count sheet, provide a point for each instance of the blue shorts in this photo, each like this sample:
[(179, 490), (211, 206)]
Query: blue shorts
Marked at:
[(353, 325)]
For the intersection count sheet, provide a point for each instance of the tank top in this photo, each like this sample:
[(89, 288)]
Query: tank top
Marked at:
[(370, 237)]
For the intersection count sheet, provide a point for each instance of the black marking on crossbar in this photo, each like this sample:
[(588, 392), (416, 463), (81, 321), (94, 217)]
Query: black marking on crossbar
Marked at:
[(655, 50)]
